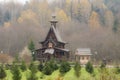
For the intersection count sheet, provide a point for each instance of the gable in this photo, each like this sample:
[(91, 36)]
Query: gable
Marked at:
[(54, 35), (51, 35)]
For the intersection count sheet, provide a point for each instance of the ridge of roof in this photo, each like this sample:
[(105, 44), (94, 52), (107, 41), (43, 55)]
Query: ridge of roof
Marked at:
[(57, 34), (83, 51)]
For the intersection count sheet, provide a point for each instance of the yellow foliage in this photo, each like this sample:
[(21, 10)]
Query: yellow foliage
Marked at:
[(85, 2), (104, 6), (27, 15), (25, 55), (62, 16), (20, 20), (109, 18), (68, 1), (94, 20), (7, 24), (85, 6), (5, 58), (99, 4)]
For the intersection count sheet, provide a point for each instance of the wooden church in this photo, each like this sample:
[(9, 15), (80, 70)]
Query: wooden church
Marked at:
[(53, 46)]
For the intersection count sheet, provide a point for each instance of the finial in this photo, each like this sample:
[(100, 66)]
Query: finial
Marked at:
[(53, 16), (53, 21)]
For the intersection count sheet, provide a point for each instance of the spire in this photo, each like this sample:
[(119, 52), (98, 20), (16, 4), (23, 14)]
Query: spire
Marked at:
[(53, 21)]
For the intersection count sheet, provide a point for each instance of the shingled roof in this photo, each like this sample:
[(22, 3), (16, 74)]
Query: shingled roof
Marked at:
[(57, 34), (83, 51)]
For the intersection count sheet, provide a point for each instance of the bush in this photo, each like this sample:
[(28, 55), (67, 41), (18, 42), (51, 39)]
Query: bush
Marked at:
[(23, 66), (89, 68), (64, 67), (102, 66), (2, 73), (77, 69)]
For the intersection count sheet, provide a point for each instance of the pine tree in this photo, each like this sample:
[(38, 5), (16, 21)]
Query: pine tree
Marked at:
[(23, 66), (117, 70), (102, 65), (2, 73), (32, 76), (40, 67), (89, 68), (64, 67), (31, 47), (47, 69), (16, 73), (33, 69), (77, 69), (53, 64)]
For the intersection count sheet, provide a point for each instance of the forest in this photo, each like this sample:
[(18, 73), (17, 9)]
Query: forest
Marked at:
[(91, 24)]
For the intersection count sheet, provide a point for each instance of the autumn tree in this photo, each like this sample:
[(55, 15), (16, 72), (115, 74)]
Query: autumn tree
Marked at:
[(109, 18), (25, 55), (28, 16), (84, 10), (94, 21), (62, 16), (5, 58)]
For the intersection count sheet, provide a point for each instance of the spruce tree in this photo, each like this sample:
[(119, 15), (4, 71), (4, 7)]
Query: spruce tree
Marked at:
[(47, 69), (23, 66), (32, 76), (89, 68), (33, 69), (77, 69), (16, 73), (64, 67), (31, 47), (2, 73), (117, 70), (40, 67)]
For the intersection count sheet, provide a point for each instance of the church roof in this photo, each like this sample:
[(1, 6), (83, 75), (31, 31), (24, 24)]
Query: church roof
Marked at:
[(66, 50), (50, 51), (54, 29), (57, 34)]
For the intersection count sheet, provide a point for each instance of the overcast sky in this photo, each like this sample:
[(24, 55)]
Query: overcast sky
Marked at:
[(21, 1)]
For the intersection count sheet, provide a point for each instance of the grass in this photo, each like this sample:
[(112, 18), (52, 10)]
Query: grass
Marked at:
[(68, 76)]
